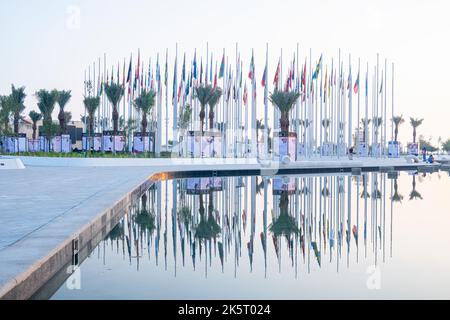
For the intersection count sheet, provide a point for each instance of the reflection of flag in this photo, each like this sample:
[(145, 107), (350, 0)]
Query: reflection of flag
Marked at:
[(381, 86), (316, 252), (261, 235), (245, 95), (355, 233)]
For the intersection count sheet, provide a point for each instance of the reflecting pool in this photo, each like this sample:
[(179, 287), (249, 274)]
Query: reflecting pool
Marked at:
[(374, 235)]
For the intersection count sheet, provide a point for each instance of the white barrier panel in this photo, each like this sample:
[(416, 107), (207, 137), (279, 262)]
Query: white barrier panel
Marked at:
[(362, 150), (285, 144), (143, 142), (327, 149), (376, 150), (393, 149), (207, 145), (113, 143), (96, 140), (16, 143), (413, 149), (33, 145), (342, 149), (62, 144)]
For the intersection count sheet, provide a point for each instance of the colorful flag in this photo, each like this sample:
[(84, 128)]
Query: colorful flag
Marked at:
[(317, 70), (222, 67), (194, 65), (215, 76), (356, 85), (251, 72), (138, 65), (277, 75), (264, 77)]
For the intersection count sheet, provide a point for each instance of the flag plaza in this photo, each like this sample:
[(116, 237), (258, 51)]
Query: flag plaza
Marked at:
[(330, 112)]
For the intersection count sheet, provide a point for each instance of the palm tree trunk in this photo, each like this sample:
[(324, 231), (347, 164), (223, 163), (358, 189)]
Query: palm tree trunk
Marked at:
[(284, 122), (34, 130), (211, 118), (414, 134), (202, 117), (144, 122), (115, 117), (61, 119), (396, 133), (16, 123)]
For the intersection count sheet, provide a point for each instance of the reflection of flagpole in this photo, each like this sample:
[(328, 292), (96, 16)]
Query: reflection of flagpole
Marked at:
[(266, 106), (265, 226)]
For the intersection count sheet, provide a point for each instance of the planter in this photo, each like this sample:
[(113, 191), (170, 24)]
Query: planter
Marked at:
[(376, 150), (285, 144), (342, 149), (208, 144), (327, 149), (144, 142)]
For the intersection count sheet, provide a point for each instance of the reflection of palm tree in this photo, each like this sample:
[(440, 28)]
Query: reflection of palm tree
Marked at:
[(364, 193), (116, 233), (414, 193), (260, 185), (207, 227), (284, 224), (145, 219), (185, 216), (396, 197)]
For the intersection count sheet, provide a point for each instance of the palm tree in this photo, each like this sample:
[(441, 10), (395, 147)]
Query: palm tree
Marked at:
[(17, 105), (212, 102), (67, 118), (145, 103), (284, 101), (414, 193), (377, 121), (5, 112), (185, 117), (91, 104), (363, 121), (46, 104), (203, 94), (35, 117), (114, 93), (415, 122), (62, 99), (398, 120)]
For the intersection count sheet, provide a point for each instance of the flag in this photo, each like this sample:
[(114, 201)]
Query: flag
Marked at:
[(222, 67), (245, 95), (138, 65), (194, 65), (264, 77), (215, 76), (277, 75), (183, 71), (381, 85), (251, 72), (166, 73), (317, 70), (356, 85)]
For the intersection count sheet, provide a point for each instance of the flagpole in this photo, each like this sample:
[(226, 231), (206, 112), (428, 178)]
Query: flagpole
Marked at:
[(297, 106), (366, 122), (339, 107), (392, 105), (350, 103), (376, 105), (359, 115), (253, 132), (266, 106), (385, 105), (175, 131), (159, 111)]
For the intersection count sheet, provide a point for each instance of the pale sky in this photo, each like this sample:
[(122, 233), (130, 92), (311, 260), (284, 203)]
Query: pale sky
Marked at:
[(41, 47)]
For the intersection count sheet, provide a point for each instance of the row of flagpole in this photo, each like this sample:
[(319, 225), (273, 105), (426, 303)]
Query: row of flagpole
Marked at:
[(320, 116)]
